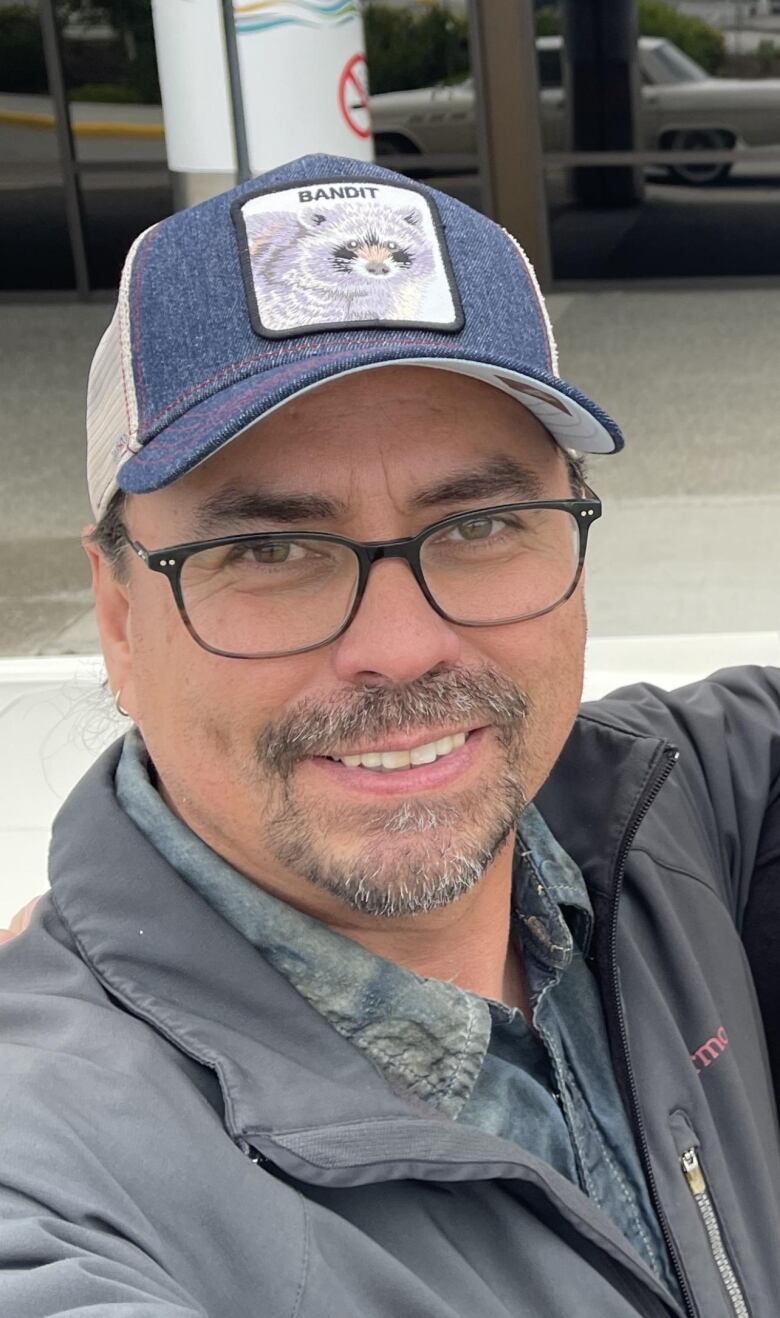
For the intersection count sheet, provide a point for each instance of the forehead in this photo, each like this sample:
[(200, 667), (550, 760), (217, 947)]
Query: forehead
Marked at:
[(396, 425)]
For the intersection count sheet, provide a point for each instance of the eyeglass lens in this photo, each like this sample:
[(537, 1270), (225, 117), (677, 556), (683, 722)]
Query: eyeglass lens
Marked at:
[(270, 596)]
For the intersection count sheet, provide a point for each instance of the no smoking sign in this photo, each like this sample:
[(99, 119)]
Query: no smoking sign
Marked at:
[(353, 95)]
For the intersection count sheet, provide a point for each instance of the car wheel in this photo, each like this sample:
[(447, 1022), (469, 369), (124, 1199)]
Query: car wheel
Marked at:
[(394, 144), (699, 139)]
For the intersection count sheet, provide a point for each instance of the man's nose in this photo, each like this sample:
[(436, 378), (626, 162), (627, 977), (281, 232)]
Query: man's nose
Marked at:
[(395, 635)]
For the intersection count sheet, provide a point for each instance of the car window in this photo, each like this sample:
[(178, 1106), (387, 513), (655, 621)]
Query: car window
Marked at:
[(675, 66), (550, 68)]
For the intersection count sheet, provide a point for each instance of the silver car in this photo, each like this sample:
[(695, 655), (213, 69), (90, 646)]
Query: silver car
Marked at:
[(682, 108)]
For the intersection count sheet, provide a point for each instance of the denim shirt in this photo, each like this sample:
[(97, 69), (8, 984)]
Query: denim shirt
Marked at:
[(549, 1087)]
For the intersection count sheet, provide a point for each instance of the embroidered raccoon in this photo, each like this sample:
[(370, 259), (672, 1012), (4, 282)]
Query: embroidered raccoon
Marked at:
[(334, 265)]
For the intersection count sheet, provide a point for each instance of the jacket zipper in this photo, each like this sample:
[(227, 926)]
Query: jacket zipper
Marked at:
[(671, 758), (697, 1183)]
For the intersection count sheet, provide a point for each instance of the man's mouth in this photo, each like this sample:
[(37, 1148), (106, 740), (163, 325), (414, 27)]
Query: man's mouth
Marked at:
[(388, 761)]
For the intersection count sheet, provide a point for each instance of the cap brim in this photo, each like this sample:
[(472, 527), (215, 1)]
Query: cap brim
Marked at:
[(574, 420)]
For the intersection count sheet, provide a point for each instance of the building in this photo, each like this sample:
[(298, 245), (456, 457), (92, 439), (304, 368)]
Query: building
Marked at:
[(612, 159)]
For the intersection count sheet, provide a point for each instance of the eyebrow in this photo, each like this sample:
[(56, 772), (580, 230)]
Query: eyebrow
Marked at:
[(499, 477), (232, 505)]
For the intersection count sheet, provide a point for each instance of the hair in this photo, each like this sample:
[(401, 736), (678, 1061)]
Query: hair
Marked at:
[(575, 469), (109, 535)]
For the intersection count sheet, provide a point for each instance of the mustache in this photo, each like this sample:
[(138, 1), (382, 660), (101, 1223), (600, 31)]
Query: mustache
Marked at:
[(313, 727)]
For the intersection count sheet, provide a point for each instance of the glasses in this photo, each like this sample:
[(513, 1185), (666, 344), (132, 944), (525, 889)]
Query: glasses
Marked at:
[(263, 596)]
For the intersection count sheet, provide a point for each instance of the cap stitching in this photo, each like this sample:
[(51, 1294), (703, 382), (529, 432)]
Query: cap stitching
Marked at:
[(245, 361), (141, 383), (550, 344), (124, 334)]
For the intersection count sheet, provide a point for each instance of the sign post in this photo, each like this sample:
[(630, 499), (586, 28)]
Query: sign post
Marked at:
[(299, 86)]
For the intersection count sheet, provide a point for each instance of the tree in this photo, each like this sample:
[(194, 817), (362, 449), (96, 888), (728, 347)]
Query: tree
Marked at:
[(414, 48), (132, 22), (657, 18)]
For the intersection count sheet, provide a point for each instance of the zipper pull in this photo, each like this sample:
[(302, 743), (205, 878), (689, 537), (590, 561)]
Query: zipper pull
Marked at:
[(692, 1172), (697, 1182)]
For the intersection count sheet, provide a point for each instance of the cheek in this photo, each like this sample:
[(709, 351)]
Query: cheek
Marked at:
[(200, 713), (545, 657)]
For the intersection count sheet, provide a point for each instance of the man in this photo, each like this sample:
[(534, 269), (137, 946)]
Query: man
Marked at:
[(374, 980)]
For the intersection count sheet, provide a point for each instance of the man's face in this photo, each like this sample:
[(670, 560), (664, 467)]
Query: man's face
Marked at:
[(245, 749)]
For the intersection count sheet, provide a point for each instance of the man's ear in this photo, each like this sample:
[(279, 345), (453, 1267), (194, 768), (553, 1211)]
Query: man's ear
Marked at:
[(112, 610)]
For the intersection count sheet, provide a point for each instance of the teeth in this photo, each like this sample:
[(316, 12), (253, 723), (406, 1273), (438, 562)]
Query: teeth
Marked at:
[(389, 760), (425, 754)]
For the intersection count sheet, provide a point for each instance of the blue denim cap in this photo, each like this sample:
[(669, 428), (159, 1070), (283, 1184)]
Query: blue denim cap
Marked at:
[(320, 268)]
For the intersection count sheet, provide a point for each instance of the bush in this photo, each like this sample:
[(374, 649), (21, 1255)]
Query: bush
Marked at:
[(22, 66), (698, 39), (766, 57), (414, 48), (657, 18), (548, 22)]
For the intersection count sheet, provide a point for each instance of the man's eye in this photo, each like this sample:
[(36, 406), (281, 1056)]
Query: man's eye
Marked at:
[(480, 528), (268, 552), (489, 531), (273, 553)]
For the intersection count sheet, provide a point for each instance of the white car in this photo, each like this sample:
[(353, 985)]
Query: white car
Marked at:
[(682, 108)]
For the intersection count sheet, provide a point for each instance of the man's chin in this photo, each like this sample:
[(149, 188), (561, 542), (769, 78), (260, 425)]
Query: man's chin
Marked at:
[(398, 856), (397, 886), (413, 865)]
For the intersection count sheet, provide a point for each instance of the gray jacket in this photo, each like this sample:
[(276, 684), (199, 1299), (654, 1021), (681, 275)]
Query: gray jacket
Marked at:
[(181, 1134)]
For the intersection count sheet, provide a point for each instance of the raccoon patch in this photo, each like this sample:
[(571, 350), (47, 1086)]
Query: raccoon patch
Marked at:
[(345, 256)]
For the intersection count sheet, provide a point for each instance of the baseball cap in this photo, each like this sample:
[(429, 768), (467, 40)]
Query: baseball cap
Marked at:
[(322, 267)]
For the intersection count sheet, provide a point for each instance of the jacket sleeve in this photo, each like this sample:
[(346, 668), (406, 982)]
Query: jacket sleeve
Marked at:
[(76, 1234), (52, 1268), (761, 935), (727, 730)]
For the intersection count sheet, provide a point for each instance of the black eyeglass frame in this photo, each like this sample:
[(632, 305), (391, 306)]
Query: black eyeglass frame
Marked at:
[(170, 561)]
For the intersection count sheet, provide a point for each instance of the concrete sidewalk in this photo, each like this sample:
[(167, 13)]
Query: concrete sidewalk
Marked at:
[(689, 538)]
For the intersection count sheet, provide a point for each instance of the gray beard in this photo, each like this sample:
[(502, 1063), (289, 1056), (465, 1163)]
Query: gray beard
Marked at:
[(416, 859), (417, 856)]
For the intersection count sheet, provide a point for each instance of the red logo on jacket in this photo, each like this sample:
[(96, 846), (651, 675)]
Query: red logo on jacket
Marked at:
[(710, 1051)]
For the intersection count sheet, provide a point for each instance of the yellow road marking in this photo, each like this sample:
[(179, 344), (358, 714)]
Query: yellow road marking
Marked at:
[(84, 127)]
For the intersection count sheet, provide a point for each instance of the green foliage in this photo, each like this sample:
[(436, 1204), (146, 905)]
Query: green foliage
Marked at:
[(657, 18), (414, 48), (22, 66), (698, 39), (767, 54), (132, 22), (548, 22)]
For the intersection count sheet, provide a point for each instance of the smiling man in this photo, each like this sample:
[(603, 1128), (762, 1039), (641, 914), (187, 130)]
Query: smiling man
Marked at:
[(374, 978)]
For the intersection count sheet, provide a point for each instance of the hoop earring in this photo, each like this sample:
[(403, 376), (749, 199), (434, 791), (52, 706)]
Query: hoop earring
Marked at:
[(125, 713)]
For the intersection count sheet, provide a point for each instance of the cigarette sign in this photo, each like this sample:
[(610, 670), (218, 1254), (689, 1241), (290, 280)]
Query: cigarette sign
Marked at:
[(304, 88), (353, 96)]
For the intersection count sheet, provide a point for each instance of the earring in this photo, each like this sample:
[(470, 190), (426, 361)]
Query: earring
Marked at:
[(118, 707)]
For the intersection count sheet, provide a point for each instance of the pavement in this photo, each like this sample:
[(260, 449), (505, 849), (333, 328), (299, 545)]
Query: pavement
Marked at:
[(688, 542)]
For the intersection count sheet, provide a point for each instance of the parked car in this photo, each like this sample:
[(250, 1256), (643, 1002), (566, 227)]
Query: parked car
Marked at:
[(682, 108)]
